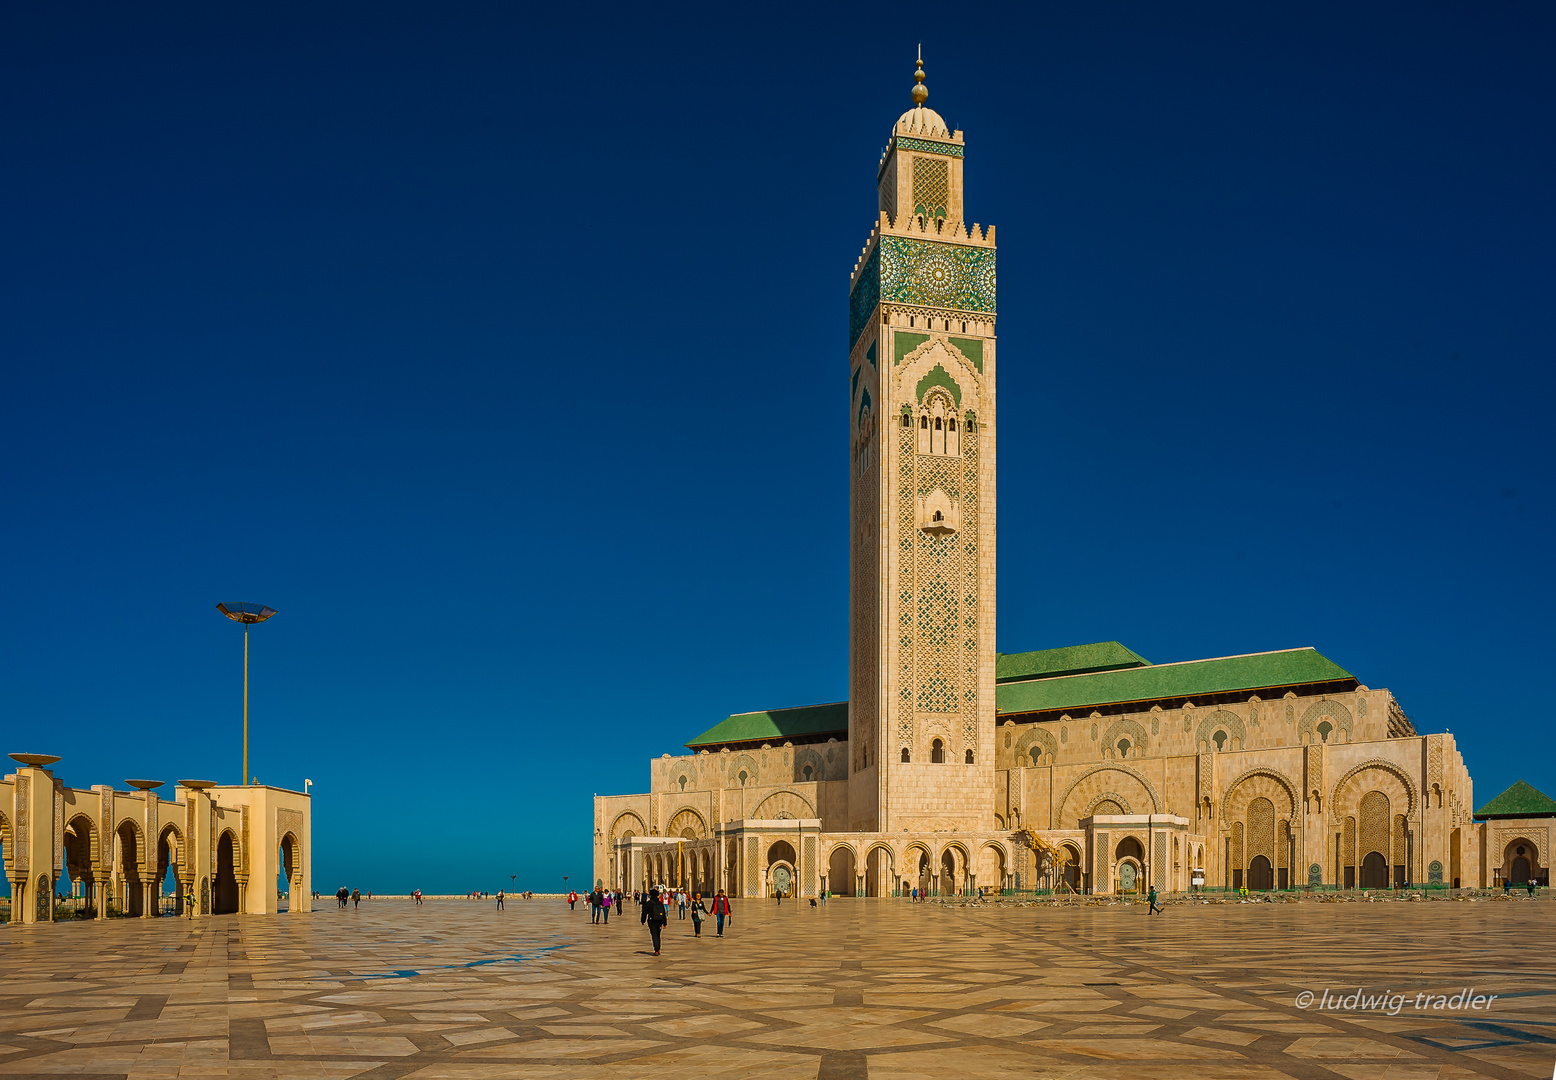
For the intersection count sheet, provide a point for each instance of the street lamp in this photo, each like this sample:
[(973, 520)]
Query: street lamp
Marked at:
[(247, 614)]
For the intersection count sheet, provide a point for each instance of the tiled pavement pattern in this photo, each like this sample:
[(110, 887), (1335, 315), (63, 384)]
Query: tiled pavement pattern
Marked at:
[(859, 988)]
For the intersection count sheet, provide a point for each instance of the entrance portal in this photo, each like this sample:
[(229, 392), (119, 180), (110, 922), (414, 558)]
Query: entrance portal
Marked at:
[(1374, 871), (840, 873), (225, 902), (1126, 877), (1260, 879)]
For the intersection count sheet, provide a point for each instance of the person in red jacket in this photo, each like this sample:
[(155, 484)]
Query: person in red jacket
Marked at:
[(721, 911)]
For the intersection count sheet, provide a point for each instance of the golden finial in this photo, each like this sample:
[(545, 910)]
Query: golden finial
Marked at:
[(920, 91)]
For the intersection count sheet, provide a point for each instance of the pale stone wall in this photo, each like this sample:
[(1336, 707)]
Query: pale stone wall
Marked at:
[(121, 844)]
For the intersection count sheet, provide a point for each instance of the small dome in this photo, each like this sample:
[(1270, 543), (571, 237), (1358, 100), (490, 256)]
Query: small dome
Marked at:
[(922, 120)]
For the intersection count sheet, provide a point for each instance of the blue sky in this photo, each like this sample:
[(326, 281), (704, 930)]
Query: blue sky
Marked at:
[(502, 351)]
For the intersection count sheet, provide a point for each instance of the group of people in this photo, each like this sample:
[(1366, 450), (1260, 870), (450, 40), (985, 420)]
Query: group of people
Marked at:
[(655, 907), (601, 902), (343, 896), (656, 911)]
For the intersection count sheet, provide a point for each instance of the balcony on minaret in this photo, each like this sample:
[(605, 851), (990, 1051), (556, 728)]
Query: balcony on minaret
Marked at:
[(938, 514)]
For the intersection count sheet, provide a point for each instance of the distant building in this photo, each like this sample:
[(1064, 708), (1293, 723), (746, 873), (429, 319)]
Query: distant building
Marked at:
[(1269, 770), (1519, 826)]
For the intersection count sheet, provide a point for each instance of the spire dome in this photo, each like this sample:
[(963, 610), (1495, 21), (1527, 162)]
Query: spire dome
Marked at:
[(920, 120), (920, 92)]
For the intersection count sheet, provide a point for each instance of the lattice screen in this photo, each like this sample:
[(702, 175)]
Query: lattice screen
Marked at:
[(931, 187), (1374, 824)]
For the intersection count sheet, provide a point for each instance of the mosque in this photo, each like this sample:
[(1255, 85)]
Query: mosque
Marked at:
[(1270, 770)]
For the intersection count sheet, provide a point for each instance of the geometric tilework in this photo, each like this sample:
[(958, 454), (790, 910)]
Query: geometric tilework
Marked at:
[(925, 147), (931, 273), (865, 296)]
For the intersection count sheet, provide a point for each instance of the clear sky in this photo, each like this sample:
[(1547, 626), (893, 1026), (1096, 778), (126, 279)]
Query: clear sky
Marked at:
[(501, 349)]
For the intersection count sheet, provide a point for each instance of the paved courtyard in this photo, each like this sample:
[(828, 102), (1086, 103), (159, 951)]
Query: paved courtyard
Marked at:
[(859, 988)]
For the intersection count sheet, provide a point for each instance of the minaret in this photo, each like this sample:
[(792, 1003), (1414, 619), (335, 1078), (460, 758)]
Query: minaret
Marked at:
[(921, 474)]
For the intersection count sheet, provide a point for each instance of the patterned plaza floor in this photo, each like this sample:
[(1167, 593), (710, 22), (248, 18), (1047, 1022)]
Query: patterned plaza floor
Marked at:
[(855, 989)]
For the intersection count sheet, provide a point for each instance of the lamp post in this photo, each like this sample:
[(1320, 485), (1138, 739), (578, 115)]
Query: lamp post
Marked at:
[(248, 615)]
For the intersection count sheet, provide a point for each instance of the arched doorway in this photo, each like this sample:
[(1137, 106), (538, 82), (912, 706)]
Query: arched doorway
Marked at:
[(991, 868), (169, 855), (1072, 867), (289, 869), (132, 901), (1131, 858), (877, 872), (79, 866), (780, 869), (948, 878), (1260, 876), (225, 900), (840, 872), (1375, 871), (1519, 872)]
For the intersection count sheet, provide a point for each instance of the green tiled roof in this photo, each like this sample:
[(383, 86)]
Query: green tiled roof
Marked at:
[(1071, 660), (1194, 678), (1520, 800), (776, 724)]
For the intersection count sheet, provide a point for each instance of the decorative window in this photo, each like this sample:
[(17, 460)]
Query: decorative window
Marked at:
[(937, 752), (1037, 755), (905, 755), (1220, 740), (1123, 748), (938, 432), (683, 783), (808, 771), (1324, 729), (969, 757)]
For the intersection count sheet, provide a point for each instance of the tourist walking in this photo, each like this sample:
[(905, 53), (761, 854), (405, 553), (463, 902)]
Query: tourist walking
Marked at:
[(605, 908), (722, 912), (417, 897), (499, 899), (572, 899), (654, 917), (341, 896), (356, 899), (698, 911), (681, 900), (1153, 909)]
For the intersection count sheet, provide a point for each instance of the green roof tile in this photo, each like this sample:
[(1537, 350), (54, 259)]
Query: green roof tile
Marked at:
[(1194, 678), (1520, 800), (776, 724), (1071, 660)]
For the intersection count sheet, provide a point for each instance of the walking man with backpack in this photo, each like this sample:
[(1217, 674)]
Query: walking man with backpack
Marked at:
[(654, 917)]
